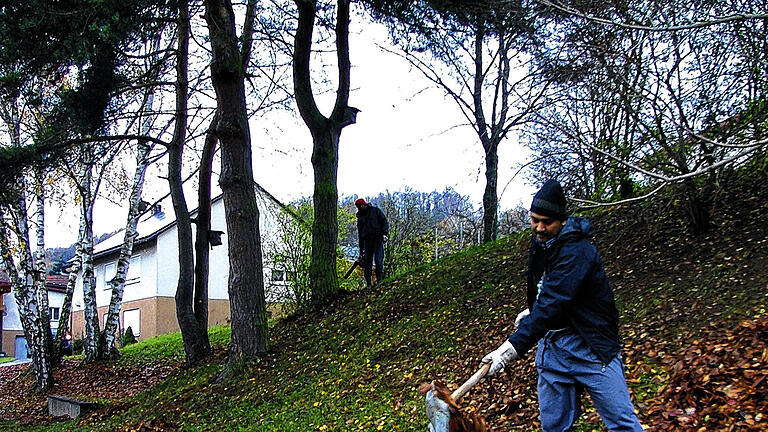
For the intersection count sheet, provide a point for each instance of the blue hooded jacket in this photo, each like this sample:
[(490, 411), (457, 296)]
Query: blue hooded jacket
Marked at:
[(575, 293)]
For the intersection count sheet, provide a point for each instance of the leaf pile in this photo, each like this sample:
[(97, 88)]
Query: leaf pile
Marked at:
[(717, 383), (103, 381)]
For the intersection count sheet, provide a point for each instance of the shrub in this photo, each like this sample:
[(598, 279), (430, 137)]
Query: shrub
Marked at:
[(77, 346), (128, 337)]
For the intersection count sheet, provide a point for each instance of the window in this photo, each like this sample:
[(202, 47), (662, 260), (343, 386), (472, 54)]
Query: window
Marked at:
[(134, 271), (132, 319), (277, 275), (110, 270), (133, 276), (53, 313)]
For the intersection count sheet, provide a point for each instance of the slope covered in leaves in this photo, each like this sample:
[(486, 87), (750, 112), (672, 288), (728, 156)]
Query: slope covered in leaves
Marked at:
[(693, 326)]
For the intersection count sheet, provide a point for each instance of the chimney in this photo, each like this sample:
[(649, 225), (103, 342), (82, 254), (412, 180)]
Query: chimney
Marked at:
[(157, 211)]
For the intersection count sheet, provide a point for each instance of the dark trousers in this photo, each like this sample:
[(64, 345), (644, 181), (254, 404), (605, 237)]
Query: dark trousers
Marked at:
[(372, 253)]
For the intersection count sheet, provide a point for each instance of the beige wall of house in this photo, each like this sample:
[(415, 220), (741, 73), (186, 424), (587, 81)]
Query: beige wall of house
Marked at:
[(157, 316), (9, 341)]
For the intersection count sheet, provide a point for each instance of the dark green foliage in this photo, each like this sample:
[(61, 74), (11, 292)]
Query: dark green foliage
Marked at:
[(77, 346), (423, 15), (43, 38), (64, 57), (428, 25), (128, 337)]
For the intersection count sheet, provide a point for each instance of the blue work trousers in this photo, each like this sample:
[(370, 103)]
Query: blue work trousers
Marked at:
[(567, 366), (373, 253)]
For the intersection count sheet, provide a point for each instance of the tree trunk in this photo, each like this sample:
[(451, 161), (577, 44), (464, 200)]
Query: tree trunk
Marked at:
[(117, 283), (194, 334), (203, 221), (323, 280), (90, 312), (26, 279), (66, 306), (489, 139), (246, 280), (36, 331), (697, 206), (490, 197), (326, 132), (39, 270)]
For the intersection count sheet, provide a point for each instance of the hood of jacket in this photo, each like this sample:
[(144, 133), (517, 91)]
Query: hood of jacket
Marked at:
[(576, 228)]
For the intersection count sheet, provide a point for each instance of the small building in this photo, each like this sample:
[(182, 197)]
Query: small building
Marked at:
[(12, 339), (148, 304)]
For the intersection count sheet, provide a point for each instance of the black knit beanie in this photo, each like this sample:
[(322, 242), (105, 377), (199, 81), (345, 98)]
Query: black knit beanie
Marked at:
[(550, 201)]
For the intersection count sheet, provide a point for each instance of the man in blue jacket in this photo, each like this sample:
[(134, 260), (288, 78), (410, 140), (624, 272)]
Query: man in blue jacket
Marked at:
[(572, 315), (372, 229)]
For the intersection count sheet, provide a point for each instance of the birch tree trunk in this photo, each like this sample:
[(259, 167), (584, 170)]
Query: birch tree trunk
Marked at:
[(324, 284), (117, 284), (90, 311), (14, 242), (36, 331), (39, 270), (66, 306)]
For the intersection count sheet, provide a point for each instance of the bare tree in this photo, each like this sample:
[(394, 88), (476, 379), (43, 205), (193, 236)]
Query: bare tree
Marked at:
[(24, 276), (675, 99), (474, 52), (326, 132)]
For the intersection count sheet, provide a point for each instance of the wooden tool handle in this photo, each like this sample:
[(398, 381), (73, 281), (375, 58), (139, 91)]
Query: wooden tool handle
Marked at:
[(461, 391)]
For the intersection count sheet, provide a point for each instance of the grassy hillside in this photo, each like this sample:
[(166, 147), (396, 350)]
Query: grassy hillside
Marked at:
[(693, 324)]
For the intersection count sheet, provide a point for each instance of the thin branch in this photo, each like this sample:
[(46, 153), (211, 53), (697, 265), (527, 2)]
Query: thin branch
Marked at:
[(691, 26)]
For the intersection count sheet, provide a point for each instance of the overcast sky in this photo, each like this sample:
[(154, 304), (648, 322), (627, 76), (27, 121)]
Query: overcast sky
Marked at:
[(405, 136)]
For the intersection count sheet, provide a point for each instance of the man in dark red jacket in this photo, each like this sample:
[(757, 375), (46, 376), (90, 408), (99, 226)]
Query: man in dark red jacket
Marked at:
[(572, 315), (372, 229)]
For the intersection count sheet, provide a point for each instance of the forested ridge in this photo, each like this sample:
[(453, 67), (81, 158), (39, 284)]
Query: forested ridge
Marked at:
[(693, 325)]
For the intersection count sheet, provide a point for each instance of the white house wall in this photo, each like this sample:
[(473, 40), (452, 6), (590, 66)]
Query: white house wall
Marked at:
[(218, 264), (143, 287), (146, 285), (160, 261), (167, 259), (12, 320)]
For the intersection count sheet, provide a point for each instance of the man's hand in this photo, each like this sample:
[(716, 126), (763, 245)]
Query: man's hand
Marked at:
[(500, 357), (385, 238), (520, 317)]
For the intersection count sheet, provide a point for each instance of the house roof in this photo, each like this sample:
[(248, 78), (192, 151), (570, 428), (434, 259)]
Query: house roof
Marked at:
[(56, 283), (147, 229), (5, 286), (152, 226)]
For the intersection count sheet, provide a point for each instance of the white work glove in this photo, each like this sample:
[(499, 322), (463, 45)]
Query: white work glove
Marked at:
[(500, 357), (520, 317), (385, 238)]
